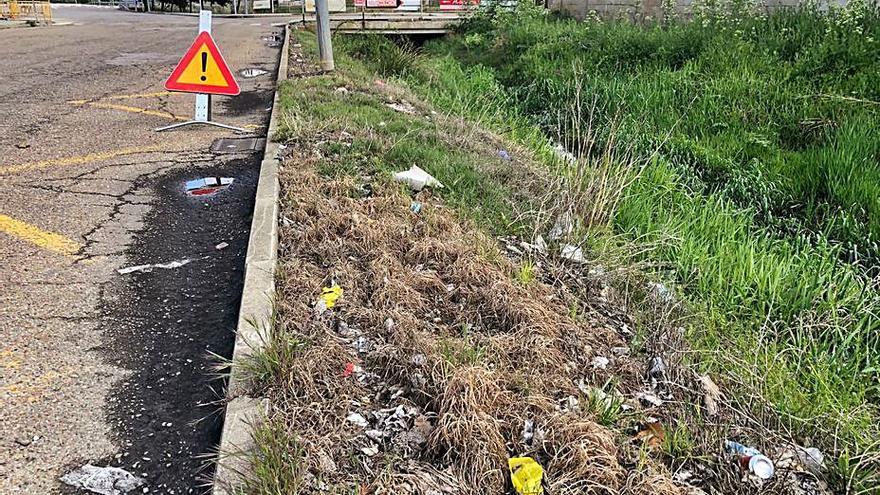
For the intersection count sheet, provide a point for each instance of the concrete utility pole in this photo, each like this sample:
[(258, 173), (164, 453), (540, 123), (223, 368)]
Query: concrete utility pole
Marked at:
[(325, 48)]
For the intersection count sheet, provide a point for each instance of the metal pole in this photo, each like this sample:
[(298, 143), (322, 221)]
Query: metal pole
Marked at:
[(203, 102), (325, 48)]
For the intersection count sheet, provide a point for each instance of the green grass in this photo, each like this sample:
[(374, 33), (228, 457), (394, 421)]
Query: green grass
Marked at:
[(396, 141), (758, 189), (777, 114)]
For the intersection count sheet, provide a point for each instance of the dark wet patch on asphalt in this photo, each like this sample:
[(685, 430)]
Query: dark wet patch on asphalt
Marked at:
[(166, 324), (250, 102)]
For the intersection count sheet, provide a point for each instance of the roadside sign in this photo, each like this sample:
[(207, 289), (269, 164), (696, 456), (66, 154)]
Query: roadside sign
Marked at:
[(457, 4), (203, 70)]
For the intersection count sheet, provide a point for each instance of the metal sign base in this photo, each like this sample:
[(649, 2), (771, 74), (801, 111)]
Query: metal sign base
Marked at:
[(205, 122), (203, 116)]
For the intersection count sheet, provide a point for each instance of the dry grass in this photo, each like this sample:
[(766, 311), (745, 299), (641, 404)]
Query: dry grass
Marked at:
[(448, 334), (460, 341)]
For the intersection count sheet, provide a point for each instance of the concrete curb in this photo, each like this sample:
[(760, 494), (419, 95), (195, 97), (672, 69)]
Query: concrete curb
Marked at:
[(256, 312)]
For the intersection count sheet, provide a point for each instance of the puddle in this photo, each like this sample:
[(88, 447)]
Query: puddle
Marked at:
[(207, 186)]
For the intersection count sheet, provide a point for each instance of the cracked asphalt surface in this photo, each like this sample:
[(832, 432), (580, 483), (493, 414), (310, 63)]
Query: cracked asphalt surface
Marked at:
[(98, 367)]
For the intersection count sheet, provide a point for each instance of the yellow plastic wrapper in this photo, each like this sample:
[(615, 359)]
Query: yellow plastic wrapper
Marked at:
[(329, 295), (526, 475)]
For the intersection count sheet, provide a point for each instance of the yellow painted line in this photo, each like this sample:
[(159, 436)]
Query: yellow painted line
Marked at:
[(46, 240), (126, 108), (79, 160), (126, 97)]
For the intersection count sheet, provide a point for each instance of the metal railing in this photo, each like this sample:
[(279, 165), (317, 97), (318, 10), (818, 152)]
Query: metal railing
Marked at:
[(26, 10)]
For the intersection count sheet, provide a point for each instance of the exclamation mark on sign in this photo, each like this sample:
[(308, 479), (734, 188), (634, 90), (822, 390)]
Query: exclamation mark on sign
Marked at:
[(204, 65)]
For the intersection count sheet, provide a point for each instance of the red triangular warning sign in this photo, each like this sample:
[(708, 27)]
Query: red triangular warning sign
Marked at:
[(203, 70)]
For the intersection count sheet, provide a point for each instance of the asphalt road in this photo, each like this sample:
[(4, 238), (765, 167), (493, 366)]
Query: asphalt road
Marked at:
[(96, 366)]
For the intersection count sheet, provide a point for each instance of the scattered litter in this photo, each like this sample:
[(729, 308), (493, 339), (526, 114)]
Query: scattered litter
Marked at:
[(711, 395), (22, 145), (250, 72), (569, 404), (562, 227), (572, 253), (329, 296), (419, 360), (371, 450), (600, 362), (415, 207), (341, 90), (207, 185), (649, 398), (361, 345), (538, 245), (683, 476), (349, 370), (620, 351), (504, 155), (652, 435), (737, 448), (102, 480), (657, 369), (417, 178), (563, 153), (812, 459), (528, 432), (761, 466), (221, 246), (751, 459), (402, 107), (148, 268), (526, 475), (661, 292), (357, 419)]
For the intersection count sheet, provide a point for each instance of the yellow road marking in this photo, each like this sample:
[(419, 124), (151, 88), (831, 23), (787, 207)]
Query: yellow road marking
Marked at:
[(126, 108), (126, 97), (79, 160), (46, 240)]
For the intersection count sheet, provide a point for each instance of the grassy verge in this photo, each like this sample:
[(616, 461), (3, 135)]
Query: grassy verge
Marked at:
[(757, 182), (448, 352)]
